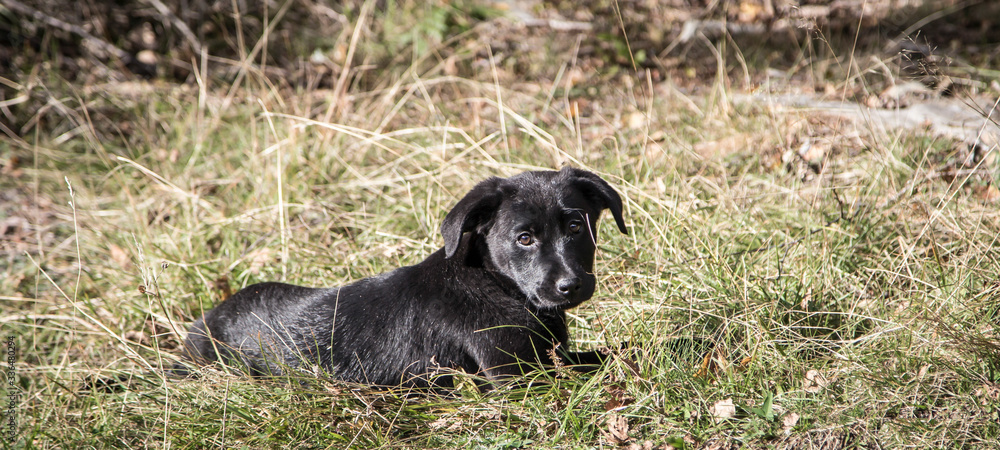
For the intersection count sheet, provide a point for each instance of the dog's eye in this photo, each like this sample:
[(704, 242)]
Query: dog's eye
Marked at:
[(525, 239), (575, 227)]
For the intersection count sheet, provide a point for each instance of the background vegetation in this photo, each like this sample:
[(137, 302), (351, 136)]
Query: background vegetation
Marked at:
[(157, 156)]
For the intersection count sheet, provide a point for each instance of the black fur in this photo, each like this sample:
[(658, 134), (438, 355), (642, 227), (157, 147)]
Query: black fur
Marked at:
[(518, 253)]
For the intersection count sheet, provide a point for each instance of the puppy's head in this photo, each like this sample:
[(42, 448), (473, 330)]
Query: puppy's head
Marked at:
[(540, 231)]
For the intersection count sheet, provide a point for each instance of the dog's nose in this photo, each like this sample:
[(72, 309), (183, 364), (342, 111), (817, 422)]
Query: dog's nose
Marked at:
[(568, 287)]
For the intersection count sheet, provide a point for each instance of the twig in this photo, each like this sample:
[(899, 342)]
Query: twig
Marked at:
[(559, 25), (96, 42)]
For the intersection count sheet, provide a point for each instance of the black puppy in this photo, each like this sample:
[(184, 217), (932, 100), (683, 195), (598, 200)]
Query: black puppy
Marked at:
[(518, 253)]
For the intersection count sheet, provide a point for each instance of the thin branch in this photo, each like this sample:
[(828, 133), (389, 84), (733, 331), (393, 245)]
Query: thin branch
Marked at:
[(97, 43)]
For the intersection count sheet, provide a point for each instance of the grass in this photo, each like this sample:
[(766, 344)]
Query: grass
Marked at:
[(853, 302)]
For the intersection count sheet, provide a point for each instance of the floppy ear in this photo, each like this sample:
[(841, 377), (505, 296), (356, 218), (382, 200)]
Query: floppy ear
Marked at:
[(475, 209), (598, 190)]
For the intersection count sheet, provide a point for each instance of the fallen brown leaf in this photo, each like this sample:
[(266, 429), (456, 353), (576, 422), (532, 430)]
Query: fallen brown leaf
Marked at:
[(617, 432), (646, 445), (814, 381), (788, 422), (619, 397), (712, 364), (723, 409)]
